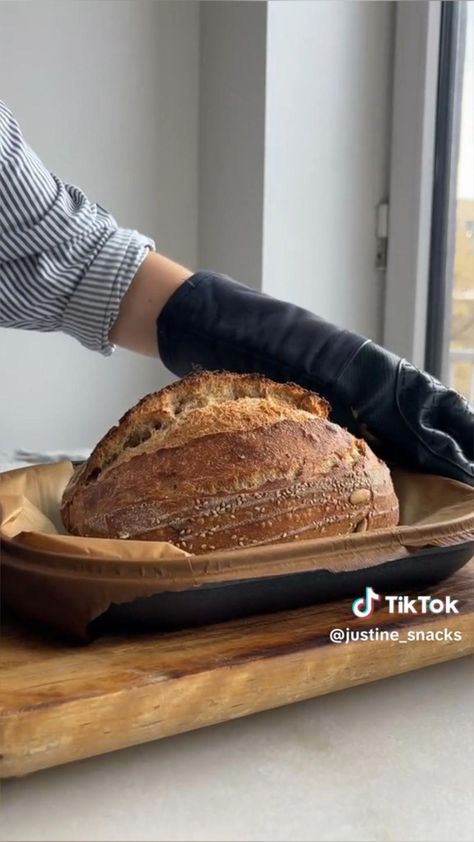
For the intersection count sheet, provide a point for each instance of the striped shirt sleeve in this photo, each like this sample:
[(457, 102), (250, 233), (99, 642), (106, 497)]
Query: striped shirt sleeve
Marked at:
[(65, 264)]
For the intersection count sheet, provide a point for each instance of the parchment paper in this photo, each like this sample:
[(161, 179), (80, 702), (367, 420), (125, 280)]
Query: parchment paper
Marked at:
[(30, 499)]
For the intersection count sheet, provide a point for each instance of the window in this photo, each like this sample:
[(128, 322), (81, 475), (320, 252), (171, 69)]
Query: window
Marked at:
[(450, 328), (429, 298), (461, 339)]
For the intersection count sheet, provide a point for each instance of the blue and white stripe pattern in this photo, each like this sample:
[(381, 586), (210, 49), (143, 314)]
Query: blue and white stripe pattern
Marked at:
[(64, 262)]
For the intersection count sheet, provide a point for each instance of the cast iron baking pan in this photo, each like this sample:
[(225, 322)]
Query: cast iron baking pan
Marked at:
[(216, 603)]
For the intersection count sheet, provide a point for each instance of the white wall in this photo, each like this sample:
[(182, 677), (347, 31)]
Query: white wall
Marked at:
[(294, 150), (231, 138), (107, 94), (248, 138), (329, 76)]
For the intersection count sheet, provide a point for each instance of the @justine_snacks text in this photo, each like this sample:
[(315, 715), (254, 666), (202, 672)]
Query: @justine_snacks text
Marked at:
[(348, 635)]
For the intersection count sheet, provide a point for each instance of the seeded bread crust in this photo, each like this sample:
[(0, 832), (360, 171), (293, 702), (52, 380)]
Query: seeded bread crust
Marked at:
[(221, 461)]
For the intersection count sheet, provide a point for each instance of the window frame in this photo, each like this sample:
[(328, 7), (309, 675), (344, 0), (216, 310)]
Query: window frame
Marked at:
[(443, 227), (415, 88)]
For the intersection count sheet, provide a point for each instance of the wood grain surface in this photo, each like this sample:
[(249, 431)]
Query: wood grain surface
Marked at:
[(61, 702)]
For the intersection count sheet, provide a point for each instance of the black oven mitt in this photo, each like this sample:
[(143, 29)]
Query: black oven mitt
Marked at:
[(212, 322)]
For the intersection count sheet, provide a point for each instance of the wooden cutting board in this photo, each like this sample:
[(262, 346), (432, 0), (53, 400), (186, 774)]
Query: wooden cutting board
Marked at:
[(60, 703)]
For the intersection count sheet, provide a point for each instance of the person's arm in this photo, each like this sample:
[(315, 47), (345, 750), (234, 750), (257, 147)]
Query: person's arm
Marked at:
[(65, 264), (156, 280)]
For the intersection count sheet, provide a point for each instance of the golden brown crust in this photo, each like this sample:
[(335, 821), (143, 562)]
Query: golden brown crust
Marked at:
[(153, 420), (237, 460)]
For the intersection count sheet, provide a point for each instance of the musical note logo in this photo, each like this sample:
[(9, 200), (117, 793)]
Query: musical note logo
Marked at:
[(363, 606)]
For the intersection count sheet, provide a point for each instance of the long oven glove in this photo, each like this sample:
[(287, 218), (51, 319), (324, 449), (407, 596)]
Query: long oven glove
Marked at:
[(214, 323)]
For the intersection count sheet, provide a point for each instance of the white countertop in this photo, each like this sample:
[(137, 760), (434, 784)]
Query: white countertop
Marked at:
[(392, 760)]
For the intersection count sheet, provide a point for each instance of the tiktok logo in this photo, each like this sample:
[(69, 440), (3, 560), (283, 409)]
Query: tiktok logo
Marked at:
[(363, 606)]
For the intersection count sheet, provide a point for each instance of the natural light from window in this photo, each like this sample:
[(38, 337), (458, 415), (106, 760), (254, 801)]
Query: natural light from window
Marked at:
[(461, 347)]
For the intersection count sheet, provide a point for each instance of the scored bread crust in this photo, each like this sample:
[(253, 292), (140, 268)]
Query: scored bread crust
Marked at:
[(221, 461)]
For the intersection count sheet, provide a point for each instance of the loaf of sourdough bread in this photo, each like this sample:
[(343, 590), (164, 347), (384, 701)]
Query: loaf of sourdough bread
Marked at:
[(222, 461)]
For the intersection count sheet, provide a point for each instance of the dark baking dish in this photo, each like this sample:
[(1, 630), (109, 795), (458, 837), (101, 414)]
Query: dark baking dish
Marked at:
[(87, 587), (216, 603)]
